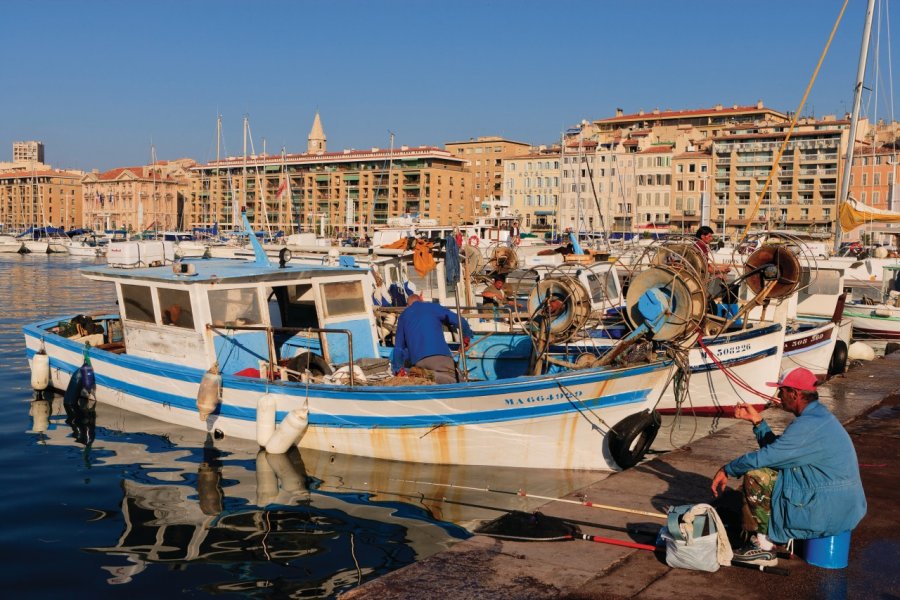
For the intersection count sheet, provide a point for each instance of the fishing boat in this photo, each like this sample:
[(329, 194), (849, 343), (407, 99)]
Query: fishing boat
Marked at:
[(213, 344), (878, 320), (729, 359)]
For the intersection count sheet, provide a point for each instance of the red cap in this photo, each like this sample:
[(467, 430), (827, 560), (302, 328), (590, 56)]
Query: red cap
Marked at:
[(798, 379)]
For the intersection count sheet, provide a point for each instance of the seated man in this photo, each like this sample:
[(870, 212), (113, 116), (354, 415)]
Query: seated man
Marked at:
[(803, 484), (419, 340), (494, 294)]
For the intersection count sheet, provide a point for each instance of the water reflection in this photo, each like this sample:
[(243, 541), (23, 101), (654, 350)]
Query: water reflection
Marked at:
[(315, 525)]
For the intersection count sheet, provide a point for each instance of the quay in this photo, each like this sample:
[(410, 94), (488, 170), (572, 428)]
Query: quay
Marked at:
[(866, 400)]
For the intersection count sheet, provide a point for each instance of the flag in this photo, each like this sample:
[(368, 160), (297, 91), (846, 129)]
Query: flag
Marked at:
[(281, 189)]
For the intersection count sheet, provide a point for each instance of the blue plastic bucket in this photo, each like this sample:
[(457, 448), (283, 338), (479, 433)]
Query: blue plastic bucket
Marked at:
[(828, 552)]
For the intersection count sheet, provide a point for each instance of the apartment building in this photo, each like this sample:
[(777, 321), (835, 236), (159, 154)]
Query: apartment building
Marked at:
[(706, 123), (484, 158), (690, 191), (873, 176), (802, 194), (331, 191), (653, 180), (137, 199), (40, 197), (598, 191), (531, 185), (27, 157), (873, 181)]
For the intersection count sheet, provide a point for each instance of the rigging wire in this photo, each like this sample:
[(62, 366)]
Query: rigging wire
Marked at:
[(790, 131)]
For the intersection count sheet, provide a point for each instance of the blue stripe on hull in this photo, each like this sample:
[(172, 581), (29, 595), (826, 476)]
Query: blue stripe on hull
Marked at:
[(409, 394)]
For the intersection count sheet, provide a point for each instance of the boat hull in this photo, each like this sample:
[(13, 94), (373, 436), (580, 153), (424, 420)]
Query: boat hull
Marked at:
[(813, 347), (555, 421), (753, 356), (868, 325)]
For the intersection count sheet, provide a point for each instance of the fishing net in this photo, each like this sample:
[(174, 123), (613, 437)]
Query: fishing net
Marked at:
[(529, 527)]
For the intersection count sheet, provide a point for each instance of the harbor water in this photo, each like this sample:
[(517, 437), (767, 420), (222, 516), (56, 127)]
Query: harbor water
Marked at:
[(106, 502)]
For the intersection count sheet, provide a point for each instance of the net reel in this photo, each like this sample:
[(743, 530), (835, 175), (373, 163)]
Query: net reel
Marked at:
[(559, 307), (772, 271), (503, 259), (668, 301), (683, 255)]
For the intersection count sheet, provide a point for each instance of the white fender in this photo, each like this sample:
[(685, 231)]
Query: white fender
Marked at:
[(860, 351), (265, 418), (40, 415), (266, 482), (289, 431), (208, 393), (40, 371)]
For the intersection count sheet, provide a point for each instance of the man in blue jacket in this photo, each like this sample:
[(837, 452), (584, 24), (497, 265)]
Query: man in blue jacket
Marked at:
[(419, 340), (802, 484)]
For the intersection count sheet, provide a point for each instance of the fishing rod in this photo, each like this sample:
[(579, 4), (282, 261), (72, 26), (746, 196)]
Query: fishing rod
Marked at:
[(523, 494), (575, 536)]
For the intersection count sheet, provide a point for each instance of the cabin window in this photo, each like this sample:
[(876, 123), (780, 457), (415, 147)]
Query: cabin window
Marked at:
[(603, 287), (343, 298), (138, 303), (238, 306), (824, 282), (175, 306)]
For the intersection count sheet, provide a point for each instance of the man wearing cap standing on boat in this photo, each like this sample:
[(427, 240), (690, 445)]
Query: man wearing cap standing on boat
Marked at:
[(419, 340), (803, 484)]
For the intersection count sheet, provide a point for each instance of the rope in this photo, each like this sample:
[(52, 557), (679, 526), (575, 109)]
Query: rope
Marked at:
[(731, 376), (787, 137), (569, 396)]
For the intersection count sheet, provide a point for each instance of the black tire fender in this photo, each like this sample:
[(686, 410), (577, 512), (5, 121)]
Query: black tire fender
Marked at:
[(309, 361), (838, 363), (630, 438)]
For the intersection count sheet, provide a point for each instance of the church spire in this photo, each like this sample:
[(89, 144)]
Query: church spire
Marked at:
[(315, 143)]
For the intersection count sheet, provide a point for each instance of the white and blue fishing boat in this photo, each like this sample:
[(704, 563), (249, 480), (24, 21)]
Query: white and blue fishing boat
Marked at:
[(214, 344)]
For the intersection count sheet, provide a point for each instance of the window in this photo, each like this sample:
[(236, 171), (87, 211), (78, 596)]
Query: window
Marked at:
[(175, 306), (237, 306), (138, 303), (343, 298), (691, 185), (877, 179), (865, 179), (692, 168)]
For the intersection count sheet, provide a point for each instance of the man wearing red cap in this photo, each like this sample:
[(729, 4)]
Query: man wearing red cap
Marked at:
[(803, 484)]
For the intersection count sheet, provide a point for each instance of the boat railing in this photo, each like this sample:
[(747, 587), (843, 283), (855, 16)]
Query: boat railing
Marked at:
[(480, 312), (270, 338)]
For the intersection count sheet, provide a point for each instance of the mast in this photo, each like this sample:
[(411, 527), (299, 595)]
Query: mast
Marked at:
[(854, 121)]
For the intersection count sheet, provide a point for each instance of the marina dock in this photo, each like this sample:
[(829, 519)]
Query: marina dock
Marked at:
[(866, 400)]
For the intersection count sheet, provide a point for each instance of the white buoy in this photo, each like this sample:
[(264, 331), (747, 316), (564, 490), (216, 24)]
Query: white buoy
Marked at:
[(40, 416), (208, 393), (266, 482), (860, 351), (266, 408), (40, 371), (289, 431)]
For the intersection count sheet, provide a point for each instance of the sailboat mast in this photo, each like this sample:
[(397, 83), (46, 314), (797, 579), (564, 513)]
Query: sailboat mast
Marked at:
[(854, 121)]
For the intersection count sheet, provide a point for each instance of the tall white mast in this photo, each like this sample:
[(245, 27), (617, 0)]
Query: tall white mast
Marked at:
[(854, 121)]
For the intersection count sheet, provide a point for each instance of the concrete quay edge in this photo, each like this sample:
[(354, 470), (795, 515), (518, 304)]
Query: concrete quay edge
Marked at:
[(866, 400)]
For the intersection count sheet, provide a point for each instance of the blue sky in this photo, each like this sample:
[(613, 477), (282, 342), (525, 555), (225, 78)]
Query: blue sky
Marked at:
[(99, 81)]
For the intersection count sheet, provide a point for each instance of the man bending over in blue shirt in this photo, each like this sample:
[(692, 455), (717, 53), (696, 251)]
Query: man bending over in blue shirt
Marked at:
[(419, 340)]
